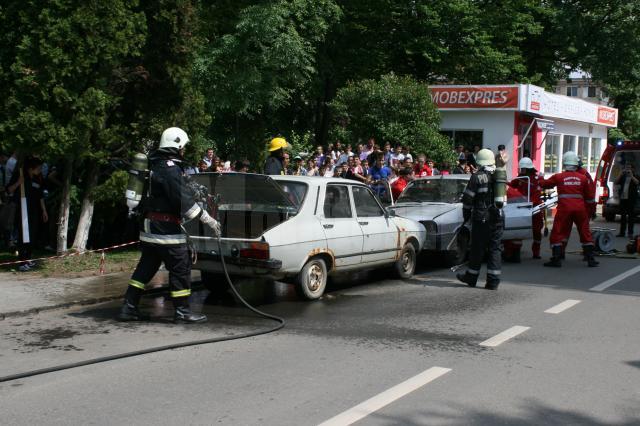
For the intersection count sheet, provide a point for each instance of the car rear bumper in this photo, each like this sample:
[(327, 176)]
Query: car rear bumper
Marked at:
[(270, 268)]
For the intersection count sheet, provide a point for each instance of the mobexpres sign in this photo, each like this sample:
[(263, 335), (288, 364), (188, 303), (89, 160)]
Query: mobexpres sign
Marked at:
[(472, 97)]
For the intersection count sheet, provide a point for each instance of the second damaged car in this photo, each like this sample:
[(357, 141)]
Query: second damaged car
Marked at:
[(301, 229)]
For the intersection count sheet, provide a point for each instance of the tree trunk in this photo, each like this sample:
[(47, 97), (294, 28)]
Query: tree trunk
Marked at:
[(86, 213), (65, 207)]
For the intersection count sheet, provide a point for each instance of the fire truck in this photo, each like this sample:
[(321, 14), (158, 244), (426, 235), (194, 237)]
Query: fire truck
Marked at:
[(613, 160)]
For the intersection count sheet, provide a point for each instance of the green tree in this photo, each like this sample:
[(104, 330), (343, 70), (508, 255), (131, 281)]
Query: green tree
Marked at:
[(394, 109), (262, 65), (62, 81)]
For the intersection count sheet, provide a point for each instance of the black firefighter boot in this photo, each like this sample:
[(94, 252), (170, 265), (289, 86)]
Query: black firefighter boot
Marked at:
[(467, 278), (556, 255), (184, 315), (492, 282), (589, 256), (129, 310)]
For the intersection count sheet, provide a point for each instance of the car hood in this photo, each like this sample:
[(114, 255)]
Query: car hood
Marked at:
[(423, 211)]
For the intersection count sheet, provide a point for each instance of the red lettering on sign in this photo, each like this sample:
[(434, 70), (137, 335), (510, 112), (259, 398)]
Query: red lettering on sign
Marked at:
[(474, 97), (535, 106), (607, 115)]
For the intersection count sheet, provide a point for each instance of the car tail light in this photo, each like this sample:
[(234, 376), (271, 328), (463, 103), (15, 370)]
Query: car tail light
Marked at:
[(258, 251)]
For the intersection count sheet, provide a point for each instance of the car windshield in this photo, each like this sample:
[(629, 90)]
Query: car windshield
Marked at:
[(434, 190)]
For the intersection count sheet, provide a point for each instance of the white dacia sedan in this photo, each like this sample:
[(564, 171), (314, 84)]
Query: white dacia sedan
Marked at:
[(302, 229)]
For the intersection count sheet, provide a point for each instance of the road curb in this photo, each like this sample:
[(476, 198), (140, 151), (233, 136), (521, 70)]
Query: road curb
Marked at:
[(155, 291)]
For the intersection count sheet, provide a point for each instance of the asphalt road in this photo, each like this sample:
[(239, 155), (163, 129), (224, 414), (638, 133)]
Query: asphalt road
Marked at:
[(374, 350)]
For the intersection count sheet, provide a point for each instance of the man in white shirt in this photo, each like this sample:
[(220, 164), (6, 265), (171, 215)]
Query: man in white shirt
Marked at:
[(209, 156)]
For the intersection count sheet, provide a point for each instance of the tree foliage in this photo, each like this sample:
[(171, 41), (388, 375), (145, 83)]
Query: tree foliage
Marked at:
[(392, 109)]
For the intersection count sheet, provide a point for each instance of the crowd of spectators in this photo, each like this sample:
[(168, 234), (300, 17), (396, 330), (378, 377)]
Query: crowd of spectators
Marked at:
[(369, 163)]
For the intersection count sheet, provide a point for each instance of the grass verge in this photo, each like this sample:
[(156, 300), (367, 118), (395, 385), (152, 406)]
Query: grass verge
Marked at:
[(77, 265)]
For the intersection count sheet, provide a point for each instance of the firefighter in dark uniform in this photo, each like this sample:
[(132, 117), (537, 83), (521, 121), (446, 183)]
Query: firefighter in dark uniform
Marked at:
[(168, 203), (482, 205), (275, 162)]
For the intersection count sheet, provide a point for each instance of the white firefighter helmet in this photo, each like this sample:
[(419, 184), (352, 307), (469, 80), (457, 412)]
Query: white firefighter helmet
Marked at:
[(174, 137), (525, 163), (485, 157), (570, 158)]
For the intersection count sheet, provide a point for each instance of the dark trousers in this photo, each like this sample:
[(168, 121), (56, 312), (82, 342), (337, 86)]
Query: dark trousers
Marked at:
[(25, 250), (627, 216), (486, 237), (177, 260)]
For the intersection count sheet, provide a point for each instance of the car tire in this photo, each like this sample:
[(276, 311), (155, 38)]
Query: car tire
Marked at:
[(461, 253), (312, 279), (405, 266), (609, 217)]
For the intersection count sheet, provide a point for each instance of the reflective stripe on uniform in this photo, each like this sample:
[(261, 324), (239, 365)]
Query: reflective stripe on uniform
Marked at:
[(193, 211), (136, 284), (493, 272), (470, 193), (163, 239), (500, 199), (570, 196), (467, 207), (147, 226), (473, 271), (181, 293), (483, 189)]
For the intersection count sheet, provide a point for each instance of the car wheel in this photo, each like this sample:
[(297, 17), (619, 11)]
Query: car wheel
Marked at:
[(461, 253), (610, 217), (312, 279), (406, 263)]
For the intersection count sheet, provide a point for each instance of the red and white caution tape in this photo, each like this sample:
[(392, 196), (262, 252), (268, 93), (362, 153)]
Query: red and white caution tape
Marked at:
[(17, 262)]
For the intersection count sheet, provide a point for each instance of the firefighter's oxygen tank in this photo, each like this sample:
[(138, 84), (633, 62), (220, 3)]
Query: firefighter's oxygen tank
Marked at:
[(500, 187), (137, 178)]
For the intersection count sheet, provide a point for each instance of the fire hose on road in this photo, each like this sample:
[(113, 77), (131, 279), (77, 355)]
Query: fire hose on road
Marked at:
[(280, 323)]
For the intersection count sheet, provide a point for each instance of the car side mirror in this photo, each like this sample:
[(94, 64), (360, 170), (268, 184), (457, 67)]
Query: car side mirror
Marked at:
[(388, 213)]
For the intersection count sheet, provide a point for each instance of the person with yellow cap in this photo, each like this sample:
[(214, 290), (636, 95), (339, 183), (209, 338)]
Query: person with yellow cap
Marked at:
[(275, 164)]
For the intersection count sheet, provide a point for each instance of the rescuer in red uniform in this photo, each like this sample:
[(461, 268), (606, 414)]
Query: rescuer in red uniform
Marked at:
[(531, 187), (573, 191)]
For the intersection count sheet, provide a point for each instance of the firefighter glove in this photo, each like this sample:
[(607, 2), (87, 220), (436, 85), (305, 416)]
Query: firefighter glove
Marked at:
[(211, 223)]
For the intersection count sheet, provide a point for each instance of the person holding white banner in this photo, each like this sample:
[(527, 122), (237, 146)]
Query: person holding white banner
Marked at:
[(26, 187)]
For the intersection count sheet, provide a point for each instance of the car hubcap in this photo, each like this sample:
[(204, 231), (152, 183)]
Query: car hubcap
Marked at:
[(406, 262), (315, 278)]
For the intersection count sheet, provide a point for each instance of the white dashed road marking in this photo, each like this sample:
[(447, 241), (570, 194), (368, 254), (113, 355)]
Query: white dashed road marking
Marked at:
[(608, 283), (499, 339), (385, 398), (561, 307)]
